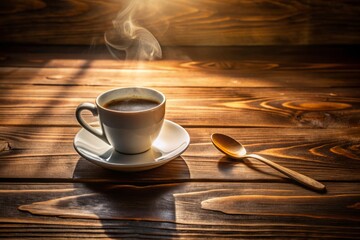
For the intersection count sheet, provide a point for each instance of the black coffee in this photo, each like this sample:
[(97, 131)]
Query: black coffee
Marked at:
[(131, 104)]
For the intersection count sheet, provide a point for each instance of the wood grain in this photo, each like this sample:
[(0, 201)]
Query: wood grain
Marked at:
[(250, 107), (247, 205), (190, 76), (175, 210), (303, 58), (305, 66), (326, 155), (298, 106), (192, 23)]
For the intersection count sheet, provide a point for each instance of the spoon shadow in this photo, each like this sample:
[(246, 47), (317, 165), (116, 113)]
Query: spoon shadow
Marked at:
[(226, 164)]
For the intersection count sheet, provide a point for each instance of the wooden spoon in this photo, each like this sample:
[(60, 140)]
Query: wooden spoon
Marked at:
[(235, 150)]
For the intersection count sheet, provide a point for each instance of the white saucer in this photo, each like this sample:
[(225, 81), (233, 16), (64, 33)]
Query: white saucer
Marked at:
[(172, 141)]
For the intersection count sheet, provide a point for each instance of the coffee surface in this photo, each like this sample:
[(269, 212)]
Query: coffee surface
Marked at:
[(131, 104)]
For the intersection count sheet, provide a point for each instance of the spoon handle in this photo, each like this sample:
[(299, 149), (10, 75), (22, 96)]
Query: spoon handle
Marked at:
[(307, 181)]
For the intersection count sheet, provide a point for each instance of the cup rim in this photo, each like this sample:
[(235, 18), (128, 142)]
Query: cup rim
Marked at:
[(130, 112)]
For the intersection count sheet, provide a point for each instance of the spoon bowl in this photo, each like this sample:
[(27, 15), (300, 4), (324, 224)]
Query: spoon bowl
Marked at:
[(228, 145), (236, 150)]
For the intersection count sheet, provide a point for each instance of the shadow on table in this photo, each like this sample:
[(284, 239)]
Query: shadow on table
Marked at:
[(136, 204), (138, 197), (228, 165), (113, 209), (175, 170), (128, 202)]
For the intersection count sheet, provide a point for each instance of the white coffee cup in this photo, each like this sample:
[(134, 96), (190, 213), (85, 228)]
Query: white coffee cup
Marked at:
[(127, 131)]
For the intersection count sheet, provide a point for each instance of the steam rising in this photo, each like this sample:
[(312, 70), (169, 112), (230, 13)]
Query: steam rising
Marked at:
[(137, 42)]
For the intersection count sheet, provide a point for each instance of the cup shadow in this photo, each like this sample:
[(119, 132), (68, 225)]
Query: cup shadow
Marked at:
[(119, 208), (116, 196), (130, 202)]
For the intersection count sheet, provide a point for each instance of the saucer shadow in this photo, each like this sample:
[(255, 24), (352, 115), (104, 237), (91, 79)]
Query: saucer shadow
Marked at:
[(176, 169)]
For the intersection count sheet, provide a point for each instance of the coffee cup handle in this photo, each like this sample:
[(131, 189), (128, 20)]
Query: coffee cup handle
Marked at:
[(92, 108)]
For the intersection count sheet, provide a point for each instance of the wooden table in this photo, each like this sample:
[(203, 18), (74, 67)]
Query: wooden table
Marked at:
[(298, 106)]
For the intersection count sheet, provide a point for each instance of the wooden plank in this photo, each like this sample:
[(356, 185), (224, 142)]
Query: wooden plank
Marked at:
[(43, 153), (301, 58), (240, 107), (302, 124), (178, 210), (178, 22), (199, 74)]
